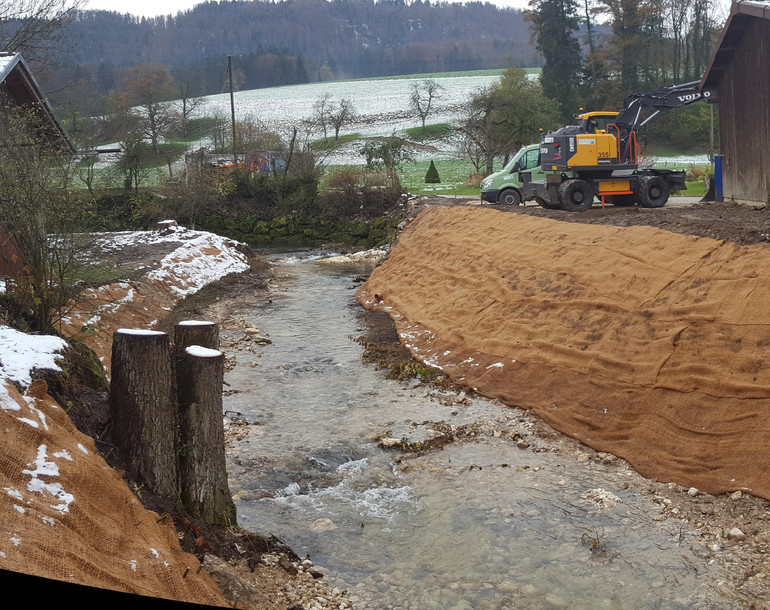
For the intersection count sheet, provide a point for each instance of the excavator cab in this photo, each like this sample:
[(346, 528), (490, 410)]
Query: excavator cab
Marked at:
[(594, 122)]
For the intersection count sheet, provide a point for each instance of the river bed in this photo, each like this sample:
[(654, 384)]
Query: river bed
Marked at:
[(483, 523)]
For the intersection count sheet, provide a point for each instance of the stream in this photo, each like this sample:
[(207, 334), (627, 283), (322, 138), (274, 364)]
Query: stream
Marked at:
[(488, 523)]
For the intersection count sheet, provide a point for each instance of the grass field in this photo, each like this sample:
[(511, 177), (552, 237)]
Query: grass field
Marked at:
[(453, 173), (455, 176)]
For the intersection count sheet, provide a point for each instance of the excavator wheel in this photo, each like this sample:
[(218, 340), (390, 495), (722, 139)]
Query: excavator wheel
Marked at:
[(622, 201), (652, 192), (545, 204), (575, 196)]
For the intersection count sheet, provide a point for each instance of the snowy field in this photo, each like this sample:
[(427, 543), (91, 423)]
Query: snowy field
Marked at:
[(381, 107)]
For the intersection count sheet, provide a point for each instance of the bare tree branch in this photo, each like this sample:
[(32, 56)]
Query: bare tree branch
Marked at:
[(29, 26), (422, 97)]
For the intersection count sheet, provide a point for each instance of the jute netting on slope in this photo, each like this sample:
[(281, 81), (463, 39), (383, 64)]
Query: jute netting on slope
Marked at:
[(66, 515), (645, 343)]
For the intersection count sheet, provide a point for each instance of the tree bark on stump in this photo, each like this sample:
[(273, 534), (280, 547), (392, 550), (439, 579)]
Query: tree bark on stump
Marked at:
[(205, 493), (195, 332), (143, 408)]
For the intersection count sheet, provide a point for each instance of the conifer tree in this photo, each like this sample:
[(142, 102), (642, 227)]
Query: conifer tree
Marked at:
[(554, 24), (431, 176)]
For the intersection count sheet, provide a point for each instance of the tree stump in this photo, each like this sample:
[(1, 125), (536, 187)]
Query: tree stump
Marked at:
[(196, 332), (205, 493), (143, 408)]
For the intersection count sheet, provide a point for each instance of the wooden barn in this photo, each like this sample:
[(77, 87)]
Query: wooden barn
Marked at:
[(740, 73)]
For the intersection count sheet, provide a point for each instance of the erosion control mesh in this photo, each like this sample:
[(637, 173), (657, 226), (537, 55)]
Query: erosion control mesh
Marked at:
[(645, 343), (69, 517)]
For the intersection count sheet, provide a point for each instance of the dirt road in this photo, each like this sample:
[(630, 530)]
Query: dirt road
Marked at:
[(741, 224)]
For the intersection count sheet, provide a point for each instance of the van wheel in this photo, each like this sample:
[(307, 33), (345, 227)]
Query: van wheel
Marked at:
[(575, 196), (509, 197), (652, 192)]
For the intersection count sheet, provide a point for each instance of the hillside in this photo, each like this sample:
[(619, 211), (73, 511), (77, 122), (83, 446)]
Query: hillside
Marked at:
[(67, 515), (293, 42)]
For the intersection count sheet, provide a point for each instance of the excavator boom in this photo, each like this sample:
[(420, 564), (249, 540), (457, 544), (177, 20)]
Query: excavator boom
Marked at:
[(664, 98)]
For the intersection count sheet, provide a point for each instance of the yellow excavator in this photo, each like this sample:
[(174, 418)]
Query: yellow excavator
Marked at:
[(599, 155)]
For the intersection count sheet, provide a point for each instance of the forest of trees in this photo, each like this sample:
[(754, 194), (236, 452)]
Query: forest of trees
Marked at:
[(294, 41), (648, 43), (593, 52)]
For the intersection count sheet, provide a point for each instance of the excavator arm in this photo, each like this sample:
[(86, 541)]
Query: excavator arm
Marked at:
[(664, 98)]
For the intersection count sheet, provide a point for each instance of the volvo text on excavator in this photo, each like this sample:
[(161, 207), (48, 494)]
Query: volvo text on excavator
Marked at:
[(599, 156)]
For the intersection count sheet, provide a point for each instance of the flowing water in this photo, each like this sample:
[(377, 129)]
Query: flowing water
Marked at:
[(482, 524)]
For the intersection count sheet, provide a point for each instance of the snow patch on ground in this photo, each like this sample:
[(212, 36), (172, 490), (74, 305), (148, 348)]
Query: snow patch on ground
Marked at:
[(201, 258), (48, 469), (199, 262), (20, 353)]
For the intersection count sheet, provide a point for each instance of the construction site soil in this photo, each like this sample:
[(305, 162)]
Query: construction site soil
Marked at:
[(729, 221)]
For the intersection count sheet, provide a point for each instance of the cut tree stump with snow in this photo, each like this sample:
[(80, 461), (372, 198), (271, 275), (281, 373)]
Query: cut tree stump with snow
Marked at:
[(205, 493), (196, 332), (143, 408)]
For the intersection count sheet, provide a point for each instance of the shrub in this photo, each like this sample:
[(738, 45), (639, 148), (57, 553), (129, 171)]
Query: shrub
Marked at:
[(431, 176), (343, 191), (353, 192), (474, 180)]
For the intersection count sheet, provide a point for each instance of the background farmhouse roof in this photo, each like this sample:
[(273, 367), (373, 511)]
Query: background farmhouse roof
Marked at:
[(18, 83), (741, 15)]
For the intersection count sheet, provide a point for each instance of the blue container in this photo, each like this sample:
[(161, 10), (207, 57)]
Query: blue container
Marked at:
[(718, 186)]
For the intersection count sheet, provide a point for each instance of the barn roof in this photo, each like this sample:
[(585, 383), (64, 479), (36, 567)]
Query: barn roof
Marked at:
[(741, 16), (20, 85)]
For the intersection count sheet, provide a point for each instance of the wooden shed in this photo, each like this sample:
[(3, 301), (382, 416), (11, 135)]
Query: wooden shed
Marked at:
[(740, 73), (18, 87)]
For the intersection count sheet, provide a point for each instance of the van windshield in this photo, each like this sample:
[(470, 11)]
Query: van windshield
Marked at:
[(509, 166), (527, 159)]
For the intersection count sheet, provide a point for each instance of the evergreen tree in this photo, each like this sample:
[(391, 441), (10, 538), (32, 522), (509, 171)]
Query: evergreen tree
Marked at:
[(554, 24), (431, 176), (625, 50)]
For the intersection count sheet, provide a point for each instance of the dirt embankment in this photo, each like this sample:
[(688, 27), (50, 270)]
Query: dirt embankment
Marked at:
[(637, 341)]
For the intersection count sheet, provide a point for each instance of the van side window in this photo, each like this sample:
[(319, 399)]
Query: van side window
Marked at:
[(531, 159)]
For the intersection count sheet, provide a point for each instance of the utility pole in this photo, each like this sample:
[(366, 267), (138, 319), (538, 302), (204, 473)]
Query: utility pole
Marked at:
[(232, 105)]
